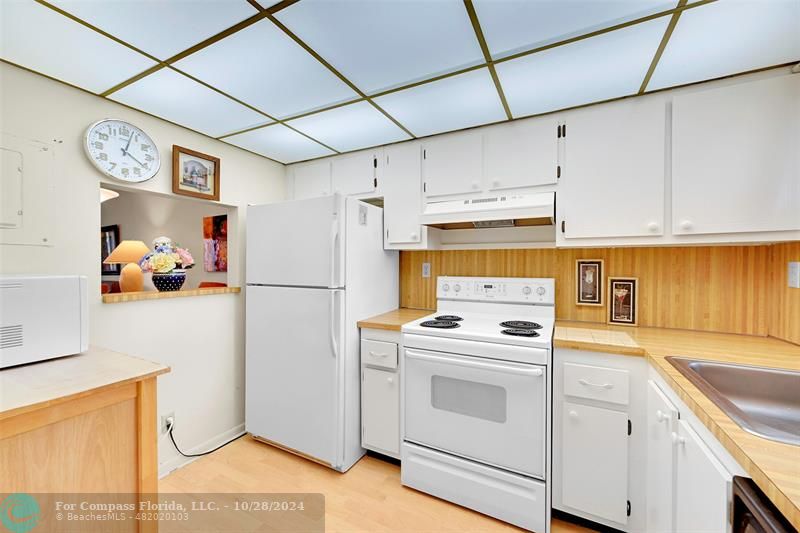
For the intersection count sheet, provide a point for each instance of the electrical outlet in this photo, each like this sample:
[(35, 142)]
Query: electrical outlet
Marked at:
[(794, 274), (426, 270), (167, 420)]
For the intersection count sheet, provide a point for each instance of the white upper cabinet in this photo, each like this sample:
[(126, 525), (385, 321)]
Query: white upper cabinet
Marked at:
[(521, 154), (311, 180), (452, 164), (736, 158), (612, 181), (355, 174), (402, 200), (703, 485)]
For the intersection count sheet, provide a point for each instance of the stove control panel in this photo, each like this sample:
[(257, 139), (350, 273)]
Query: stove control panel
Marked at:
[(540, 291)]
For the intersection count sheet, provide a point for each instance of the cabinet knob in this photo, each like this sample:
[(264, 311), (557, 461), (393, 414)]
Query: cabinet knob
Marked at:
[(495, 183), (475, 185), (390, 380), (573, 414), (676, 439), (660, 416), (653, 227), (414, 237), (686, 224)]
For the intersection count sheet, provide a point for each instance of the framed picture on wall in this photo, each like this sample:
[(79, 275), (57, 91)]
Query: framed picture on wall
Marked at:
[(589, 287), (195, 174), (109, 239), (623, 296)]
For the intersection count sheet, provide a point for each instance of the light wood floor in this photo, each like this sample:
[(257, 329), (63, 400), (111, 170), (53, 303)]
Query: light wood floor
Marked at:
[(368, 497)]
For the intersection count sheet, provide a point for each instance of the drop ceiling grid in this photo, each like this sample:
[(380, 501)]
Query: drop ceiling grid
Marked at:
[(262, 13)]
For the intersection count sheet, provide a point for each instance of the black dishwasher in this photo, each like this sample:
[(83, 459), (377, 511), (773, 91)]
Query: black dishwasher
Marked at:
[(753, 512)]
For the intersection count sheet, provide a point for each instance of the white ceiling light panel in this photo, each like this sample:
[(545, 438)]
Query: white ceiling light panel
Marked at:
[(728, 37), (173, 96), (161, 28), (515, 25), (449, 104), (262, 66), (279, 143), (42, 40), (382, 44), (350, 127), (591, 70)]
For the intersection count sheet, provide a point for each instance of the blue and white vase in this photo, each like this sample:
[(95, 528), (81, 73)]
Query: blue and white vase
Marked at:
[(169, 281)]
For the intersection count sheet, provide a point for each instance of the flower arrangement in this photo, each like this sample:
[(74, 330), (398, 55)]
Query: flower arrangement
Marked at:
[(166, 257)]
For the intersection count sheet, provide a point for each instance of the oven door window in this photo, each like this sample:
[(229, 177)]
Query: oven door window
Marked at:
[(486, 410), (470, 398)]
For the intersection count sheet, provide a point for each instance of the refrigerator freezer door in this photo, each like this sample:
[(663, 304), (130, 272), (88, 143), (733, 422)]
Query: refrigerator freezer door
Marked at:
[(294, 369), (297, 243)]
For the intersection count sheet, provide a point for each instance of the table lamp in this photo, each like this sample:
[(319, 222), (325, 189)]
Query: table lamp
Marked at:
[(130, 252)]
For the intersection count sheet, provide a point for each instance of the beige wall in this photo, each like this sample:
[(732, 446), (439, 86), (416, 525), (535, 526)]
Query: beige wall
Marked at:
[(143, 216), (201, 338)]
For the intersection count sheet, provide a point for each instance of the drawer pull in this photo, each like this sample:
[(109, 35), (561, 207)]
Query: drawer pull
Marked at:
[(598, 385), (376, 354)]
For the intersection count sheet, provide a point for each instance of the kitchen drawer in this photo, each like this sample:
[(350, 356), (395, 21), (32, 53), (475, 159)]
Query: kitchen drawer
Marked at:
[(515, 499), (604, 384), (379, 353)]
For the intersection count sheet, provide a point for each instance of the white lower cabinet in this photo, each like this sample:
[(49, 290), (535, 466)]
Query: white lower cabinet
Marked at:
[(599, 437), (689, 473), (595, 440), (380, 392)]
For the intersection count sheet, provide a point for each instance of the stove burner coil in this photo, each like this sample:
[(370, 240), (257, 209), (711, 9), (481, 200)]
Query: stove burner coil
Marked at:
[(517, 332), (440, 324)]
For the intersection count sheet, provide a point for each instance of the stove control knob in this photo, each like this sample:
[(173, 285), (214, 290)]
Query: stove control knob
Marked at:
[(457, 287), (445, 287), (526, 290), (540, 291)]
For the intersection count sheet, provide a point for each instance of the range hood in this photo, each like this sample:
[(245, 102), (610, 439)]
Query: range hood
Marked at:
[(496, 211)]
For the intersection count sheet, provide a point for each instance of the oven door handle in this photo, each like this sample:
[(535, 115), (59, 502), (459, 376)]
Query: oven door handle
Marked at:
[(506, 368)]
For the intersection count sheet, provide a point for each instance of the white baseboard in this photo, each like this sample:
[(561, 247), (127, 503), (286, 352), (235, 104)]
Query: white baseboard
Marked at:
[(180, 461)]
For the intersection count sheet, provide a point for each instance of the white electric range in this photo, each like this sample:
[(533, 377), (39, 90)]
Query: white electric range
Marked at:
[(476, 397)]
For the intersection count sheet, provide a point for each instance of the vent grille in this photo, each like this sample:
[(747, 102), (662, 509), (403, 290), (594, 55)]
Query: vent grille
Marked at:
[(10, 336)]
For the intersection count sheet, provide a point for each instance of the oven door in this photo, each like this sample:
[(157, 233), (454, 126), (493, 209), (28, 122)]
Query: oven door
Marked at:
[(481, 409)]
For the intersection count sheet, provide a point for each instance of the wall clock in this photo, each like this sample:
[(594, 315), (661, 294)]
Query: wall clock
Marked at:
[(122, 151)]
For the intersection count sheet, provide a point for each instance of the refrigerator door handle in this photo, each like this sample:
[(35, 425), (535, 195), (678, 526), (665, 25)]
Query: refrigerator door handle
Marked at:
[(334, 238), (332, 329)]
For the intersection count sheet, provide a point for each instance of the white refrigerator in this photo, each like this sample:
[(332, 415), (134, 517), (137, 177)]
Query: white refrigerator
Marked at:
[(314, 269)]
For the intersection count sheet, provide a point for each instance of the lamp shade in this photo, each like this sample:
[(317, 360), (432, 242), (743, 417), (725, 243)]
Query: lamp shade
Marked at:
[(127, 252)]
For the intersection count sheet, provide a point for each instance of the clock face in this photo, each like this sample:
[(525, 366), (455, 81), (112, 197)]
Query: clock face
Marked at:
[(122, 151)]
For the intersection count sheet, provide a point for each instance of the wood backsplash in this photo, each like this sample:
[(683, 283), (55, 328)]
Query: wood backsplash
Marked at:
[(784, 305), (731, 289)]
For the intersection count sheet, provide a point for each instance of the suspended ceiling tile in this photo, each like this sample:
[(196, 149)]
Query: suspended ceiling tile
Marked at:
[(591, 70), (38, 38), (513, 25), (728, 37), (449, 104), (260, 65), (279, 143), (382, 44), (161, 28), (173, 96), (351, 127)]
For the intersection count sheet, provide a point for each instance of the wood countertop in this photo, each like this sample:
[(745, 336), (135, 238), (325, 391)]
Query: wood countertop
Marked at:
[(394, 320), (774, 466), (122, 297), (36, 385)]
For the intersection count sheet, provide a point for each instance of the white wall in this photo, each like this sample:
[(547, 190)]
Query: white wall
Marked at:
[(143, 216), (201, 338)]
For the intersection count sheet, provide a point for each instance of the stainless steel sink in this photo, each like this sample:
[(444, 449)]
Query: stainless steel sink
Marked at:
[(763, 401)]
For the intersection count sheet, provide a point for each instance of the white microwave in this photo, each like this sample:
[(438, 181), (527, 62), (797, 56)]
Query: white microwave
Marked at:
[(42, 317)]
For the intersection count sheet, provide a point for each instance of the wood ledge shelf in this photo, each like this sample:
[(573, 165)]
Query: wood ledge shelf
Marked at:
[(120, 297)]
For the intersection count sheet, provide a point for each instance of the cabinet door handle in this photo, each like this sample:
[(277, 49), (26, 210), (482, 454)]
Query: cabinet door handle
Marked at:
[(598, 385), (377, 354), (677, 439), (660, 416), (390, 380), (573, 414)]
